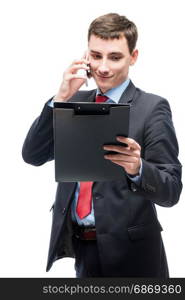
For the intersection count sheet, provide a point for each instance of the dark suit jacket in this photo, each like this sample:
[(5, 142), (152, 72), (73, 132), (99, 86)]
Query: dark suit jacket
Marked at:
[(128, 230)]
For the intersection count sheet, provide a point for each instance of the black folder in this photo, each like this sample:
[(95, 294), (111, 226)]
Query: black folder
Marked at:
[(80, 131)]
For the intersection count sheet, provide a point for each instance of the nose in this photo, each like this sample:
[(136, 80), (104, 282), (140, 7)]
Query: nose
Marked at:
[(103, 67)]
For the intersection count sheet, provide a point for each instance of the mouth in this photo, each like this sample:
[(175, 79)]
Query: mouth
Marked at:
[(103, 77)]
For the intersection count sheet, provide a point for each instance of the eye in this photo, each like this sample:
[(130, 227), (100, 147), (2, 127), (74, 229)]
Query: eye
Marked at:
[(115, 58), (96, 56)]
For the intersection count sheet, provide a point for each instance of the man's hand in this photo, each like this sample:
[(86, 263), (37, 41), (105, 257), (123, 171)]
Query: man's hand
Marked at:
[(128, 157), (71, 80)]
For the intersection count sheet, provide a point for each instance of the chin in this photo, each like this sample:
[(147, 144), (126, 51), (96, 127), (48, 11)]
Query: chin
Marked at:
[(103, 87)]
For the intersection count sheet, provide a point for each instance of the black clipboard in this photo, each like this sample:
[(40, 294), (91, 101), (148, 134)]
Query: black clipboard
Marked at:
[(80, 131)]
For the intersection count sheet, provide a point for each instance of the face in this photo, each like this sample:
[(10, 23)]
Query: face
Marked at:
[(110, 61)]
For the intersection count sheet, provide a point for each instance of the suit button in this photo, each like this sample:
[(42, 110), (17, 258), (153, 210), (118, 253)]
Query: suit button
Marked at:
[(63, 210), (133, 187), (97, 196)]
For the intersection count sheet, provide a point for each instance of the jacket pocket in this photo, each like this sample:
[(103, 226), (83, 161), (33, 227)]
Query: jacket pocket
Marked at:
[(144, 231)]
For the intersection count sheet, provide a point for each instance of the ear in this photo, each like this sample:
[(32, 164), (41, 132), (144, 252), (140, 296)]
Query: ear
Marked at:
[(134, 56)]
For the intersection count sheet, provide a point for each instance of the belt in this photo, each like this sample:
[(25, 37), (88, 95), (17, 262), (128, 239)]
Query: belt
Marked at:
[(85, 233)]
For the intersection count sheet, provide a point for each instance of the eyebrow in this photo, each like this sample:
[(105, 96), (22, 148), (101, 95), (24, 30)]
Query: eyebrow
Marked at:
[(111, 53), (116, 53), (93, 51)]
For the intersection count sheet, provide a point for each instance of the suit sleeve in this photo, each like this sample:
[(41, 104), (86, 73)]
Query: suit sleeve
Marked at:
[(161, 173), (38, 146)]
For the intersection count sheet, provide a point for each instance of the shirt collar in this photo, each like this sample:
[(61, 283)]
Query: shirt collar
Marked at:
[(115, 93)]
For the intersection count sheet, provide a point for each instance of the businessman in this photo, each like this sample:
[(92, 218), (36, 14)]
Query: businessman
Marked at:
[(111, 228)]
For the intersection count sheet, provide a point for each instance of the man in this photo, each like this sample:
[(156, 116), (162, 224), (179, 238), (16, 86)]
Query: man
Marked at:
[(120, 235)]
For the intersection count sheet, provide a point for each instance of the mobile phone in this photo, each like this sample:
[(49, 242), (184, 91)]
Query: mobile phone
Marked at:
[(88, 72)]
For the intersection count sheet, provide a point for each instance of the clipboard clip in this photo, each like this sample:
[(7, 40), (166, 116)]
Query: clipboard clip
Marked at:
[(95, 109), (88, 108)]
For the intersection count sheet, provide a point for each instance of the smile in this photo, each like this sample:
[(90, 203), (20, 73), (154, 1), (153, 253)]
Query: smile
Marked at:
[(104, 77)]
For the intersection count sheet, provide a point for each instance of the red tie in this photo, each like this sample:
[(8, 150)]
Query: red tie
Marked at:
[(84, 203), (101, 98)]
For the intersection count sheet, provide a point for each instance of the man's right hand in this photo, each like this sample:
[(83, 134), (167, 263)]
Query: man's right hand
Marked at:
[(71, 80)]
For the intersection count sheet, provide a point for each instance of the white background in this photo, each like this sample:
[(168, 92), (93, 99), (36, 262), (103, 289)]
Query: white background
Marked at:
[(39, 39)]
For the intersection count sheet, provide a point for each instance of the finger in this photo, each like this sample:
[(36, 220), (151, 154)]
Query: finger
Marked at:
[(80, 61), (122, 150), (127, 166), (120, 157), (130, 142), (75, 68), (75, 76)]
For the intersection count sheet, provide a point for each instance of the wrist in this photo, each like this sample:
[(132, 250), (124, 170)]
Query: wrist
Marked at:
[(136, 172)]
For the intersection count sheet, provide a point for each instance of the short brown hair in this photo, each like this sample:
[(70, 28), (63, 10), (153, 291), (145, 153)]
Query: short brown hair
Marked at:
[(113, 26)]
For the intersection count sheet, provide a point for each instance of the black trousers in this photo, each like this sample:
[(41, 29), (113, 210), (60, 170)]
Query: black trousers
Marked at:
[(87, 263)]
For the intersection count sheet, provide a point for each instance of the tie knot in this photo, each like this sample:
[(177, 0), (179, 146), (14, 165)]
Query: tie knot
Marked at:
[(101, 98)]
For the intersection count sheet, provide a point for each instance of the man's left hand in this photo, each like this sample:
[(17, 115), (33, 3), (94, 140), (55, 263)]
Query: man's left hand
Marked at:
[(128, 157)]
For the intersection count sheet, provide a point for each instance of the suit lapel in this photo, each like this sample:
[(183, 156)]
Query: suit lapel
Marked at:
[(84, 96), (92, 96), (128, 94)]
